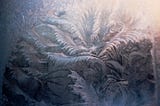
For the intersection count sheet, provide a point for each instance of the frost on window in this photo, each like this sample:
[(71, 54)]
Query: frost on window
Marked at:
[(79, 53)]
